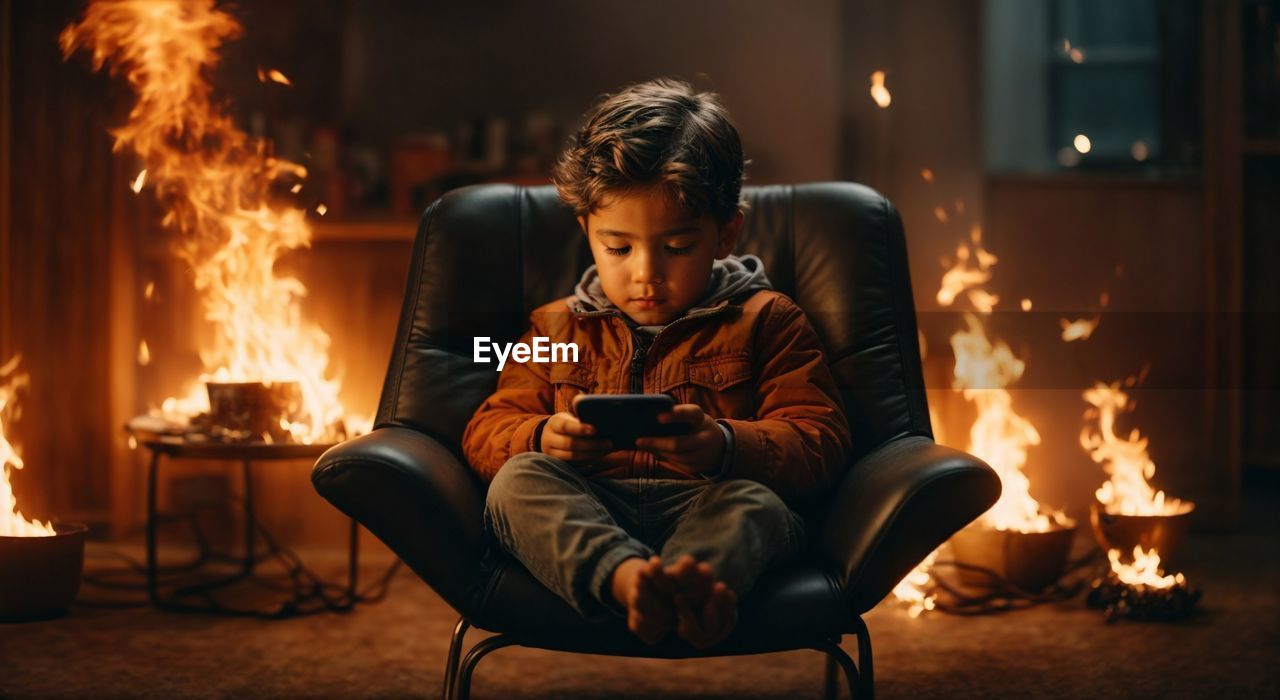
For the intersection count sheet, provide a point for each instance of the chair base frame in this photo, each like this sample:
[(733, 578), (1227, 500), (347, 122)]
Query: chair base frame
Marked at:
[(459, 669)]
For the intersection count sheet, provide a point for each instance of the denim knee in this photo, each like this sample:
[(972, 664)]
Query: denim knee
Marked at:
[(759, 504)]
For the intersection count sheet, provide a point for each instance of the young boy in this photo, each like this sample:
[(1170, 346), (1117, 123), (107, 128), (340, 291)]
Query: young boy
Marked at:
[(672, 533)]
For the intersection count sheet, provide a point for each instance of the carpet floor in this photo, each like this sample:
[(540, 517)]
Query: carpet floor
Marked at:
[(396, 648)]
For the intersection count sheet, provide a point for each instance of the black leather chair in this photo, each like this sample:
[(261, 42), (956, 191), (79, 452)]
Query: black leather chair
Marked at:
[(487, 255)]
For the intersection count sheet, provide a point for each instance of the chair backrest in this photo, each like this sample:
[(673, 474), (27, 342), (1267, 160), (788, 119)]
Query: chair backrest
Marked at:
[(485, 256)]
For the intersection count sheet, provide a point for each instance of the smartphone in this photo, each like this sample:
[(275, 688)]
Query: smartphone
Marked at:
[(621, 418)]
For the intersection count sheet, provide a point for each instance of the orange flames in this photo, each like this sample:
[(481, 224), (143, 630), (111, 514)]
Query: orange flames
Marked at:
[(1143, 571), (999, 436), (12, 523), (217, 185), (1126, 492)]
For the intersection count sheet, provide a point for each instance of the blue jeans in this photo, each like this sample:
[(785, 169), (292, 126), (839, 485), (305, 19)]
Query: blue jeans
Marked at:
[(571, 531)]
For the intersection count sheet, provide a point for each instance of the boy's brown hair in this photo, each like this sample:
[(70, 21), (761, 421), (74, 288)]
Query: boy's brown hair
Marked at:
[(658, 132)]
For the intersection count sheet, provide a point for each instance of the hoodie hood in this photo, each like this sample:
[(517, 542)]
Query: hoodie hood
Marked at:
[(733, 278)]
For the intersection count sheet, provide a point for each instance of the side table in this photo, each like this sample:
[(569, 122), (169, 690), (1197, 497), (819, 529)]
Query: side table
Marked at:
[(246, 454)]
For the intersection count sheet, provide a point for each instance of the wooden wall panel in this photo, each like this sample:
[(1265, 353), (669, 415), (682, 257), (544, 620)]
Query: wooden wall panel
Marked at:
[(71, 209)]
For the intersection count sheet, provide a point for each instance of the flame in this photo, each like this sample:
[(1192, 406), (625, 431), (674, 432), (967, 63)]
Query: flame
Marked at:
[(215, 182), (879, 92), (1126, 462), (139, 181), (12, 523), (1082, 143), (1144, 571), (1079, 329), (999, 436), (910, 589), (1026, 304), (144, 355), (971, 269)]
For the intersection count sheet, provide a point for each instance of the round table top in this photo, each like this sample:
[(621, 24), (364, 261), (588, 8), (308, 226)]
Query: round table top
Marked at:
[(256, 451)]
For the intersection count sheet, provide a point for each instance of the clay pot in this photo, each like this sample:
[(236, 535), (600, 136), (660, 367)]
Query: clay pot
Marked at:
[(1031, 561), (40, 576), (1123, 532)]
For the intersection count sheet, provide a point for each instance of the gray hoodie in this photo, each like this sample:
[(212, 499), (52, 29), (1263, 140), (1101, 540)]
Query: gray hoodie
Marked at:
[(732, 278)]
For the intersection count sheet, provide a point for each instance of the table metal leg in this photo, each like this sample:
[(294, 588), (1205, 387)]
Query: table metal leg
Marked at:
[(152, 476), (248, 518)]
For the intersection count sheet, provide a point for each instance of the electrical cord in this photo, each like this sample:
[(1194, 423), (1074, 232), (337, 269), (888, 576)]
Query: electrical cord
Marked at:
[(1001, 595), (310, 594)]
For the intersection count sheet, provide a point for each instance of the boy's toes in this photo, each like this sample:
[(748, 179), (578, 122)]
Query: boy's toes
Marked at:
[(710, 624), (649, 616)]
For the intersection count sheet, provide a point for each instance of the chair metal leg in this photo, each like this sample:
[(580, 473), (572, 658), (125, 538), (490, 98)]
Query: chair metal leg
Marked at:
[(455, 652), (829, 689), (836, 655), (463, 689), (866, 672)]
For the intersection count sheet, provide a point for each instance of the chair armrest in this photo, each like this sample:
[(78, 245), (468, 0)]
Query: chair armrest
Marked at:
[(895, 506), (418, 498)]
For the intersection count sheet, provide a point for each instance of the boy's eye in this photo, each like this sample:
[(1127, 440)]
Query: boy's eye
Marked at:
[(617, 251), (679, 250)]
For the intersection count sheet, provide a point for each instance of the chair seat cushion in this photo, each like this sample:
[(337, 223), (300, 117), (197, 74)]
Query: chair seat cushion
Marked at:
[(794, 607)]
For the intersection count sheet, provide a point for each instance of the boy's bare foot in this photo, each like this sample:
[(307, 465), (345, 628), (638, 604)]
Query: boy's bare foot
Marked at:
[(643, 588), (706, 609)]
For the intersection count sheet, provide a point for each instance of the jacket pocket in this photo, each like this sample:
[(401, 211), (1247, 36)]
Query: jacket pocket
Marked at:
[(568, 379), (723, 385)]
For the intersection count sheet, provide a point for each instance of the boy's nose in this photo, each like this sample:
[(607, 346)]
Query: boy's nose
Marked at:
[(646, 269)]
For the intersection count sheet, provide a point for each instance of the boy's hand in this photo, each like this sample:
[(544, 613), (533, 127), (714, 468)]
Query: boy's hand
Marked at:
[(568, 438), (700, 451)]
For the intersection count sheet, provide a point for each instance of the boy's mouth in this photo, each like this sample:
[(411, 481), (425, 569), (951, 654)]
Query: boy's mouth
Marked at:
[(645, 303)]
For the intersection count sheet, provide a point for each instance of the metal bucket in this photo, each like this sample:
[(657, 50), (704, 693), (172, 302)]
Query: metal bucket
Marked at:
[(1031, 561), (40, 576), (1124, 532)]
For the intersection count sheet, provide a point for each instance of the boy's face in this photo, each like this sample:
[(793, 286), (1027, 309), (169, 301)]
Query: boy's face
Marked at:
[(653, 258)]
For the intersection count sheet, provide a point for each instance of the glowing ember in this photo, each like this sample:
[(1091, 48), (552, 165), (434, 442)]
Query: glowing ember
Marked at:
[(910, 590), (215, 182), (1144, 571), (926, 175), (879, 92), (940, 214), (12, 523), (274, 76), (1082, 143), (1026, 304), (1126, 462), (1080, 329)]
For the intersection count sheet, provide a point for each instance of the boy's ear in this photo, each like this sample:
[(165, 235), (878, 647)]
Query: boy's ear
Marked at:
[(728, 236), (582, 223)]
